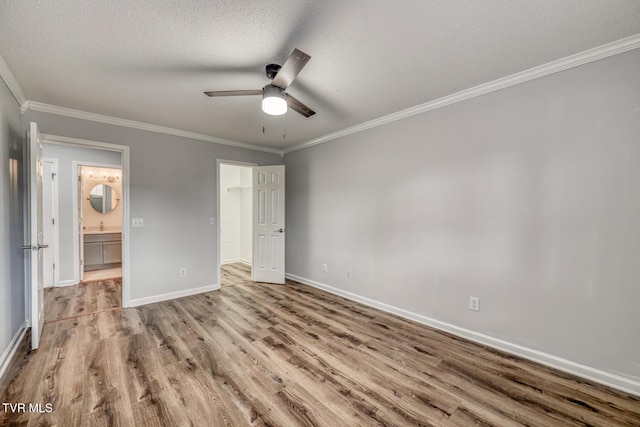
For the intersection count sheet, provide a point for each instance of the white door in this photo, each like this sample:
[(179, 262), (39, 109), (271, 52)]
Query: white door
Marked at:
[(268, 224), (80, 224), (36, 291)]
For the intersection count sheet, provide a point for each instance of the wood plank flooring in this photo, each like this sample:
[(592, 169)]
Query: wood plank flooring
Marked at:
[(289, 355), (234, 274), (82, 299), (97, 275)]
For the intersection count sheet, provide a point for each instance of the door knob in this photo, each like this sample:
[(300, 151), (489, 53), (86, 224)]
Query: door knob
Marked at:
[(42, 246), (26, 246), (281, 230)]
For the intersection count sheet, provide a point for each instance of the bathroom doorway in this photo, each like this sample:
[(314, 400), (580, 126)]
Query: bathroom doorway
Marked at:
[(100, 223)]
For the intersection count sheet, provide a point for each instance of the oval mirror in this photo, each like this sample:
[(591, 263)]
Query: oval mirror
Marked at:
[(103, 198)]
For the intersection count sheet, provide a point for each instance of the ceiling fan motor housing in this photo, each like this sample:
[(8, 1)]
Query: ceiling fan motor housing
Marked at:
[(272, 70)]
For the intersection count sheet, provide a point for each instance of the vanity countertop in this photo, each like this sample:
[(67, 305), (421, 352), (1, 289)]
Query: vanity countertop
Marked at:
[(105, 230)]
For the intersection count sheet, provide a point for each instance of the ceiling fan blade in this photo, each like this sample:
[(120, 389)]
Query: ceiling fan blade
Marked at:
[(299, 107), (292, 66), (234, 92)]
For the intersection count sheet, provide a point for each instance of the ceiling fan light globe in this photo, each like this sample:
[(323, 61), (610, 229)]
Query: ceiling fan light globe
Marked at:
[(274, 106), (274, 101)]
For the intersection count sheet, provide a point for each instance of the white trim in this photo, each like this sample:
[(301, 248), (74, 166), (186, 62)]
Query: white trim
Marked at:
[(236, 261), (585, 57), (172, 295), (12, 348), (11, 82), (77, 114), (619, 382), (55, 214), (63, 283), (597, 53), (125, 166)]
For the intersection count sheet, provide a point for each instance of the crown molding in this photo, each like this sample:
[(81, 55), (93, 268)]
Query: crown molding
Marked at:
[(591, 55), (585, 57), (12, 83), (77, 114)]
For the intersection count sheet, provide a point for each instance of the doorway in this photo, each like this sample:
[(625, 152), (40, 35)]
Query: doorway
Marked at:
[(100, 215), (235, 219), (107, 163)]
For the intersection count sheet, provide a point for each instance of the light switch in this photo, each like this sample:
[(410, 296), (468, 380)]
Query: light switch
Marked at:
[(137, 222), (212, 220)]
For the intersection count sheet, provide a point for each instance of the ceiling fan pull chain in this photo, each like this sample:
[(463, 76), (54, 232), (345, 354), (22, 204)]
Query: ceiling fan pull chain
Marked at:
[(284, 127)]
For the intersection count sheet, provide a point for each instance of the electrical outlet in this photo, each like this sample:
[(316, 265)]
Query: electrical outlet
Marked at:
[(349, 274), (474, 303), (325, 268), (183, 272), (137, 222)]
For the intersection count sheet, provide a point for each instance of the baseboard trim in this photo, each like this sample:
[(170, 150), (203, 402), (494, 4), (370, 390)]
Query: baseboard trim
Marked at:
[(235, 261), (618, 382), (63, 283), (11, 350), (172, 295)]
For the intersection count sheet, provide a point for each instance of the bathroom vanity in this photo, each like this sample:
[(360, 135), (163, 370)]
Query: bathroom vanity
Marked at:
[(102, 249)]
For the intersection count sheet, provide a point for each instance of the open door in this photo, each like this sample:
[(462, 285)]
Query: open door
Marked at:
[(80, 225), (36, 290), (268, 224)]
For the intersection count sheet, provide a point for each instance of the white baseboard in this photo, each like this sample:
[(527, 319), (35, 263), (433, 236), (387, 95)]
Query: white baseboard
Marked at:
[(63, 283), (172, 295), (235, 261), (11, 350), (618, 382)]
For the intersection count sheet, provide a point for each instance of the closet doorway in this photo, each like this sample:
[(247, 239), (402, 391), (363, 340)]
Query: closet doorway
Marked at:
[(235, 220)]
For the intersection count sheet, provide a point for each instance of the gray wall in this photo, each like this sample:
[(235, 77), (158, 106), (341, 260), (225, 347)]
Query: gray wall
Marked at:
[(67, 186), (12, 304), (527, 198), (173, 187)]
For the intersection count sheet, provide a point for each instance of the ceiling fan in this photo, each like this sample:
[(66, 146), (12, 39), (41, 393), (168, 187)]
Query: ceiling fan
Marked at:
[(274, 98)]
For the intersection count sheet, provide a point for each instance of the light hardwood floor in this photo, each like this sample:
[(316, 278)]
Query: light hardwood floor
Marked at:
[(288, 355), (235, 274), (82, 299)]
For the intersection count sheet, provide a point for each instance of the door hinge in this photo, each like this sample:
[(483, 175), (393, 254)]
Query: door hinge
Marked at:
[(53, 221), (79, 178), (53, 176), (54, 265), (81, 262)]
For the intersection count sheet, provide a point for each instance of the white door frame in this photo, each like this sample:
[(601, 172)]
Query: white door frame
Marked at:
[(78, 238), (124, 150), (218, 225), (53, 241)]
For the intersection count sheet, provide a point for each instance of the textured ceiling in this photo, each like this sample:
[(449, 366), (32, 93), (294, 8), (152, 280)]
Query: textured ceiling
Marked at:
[(151, 61)]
